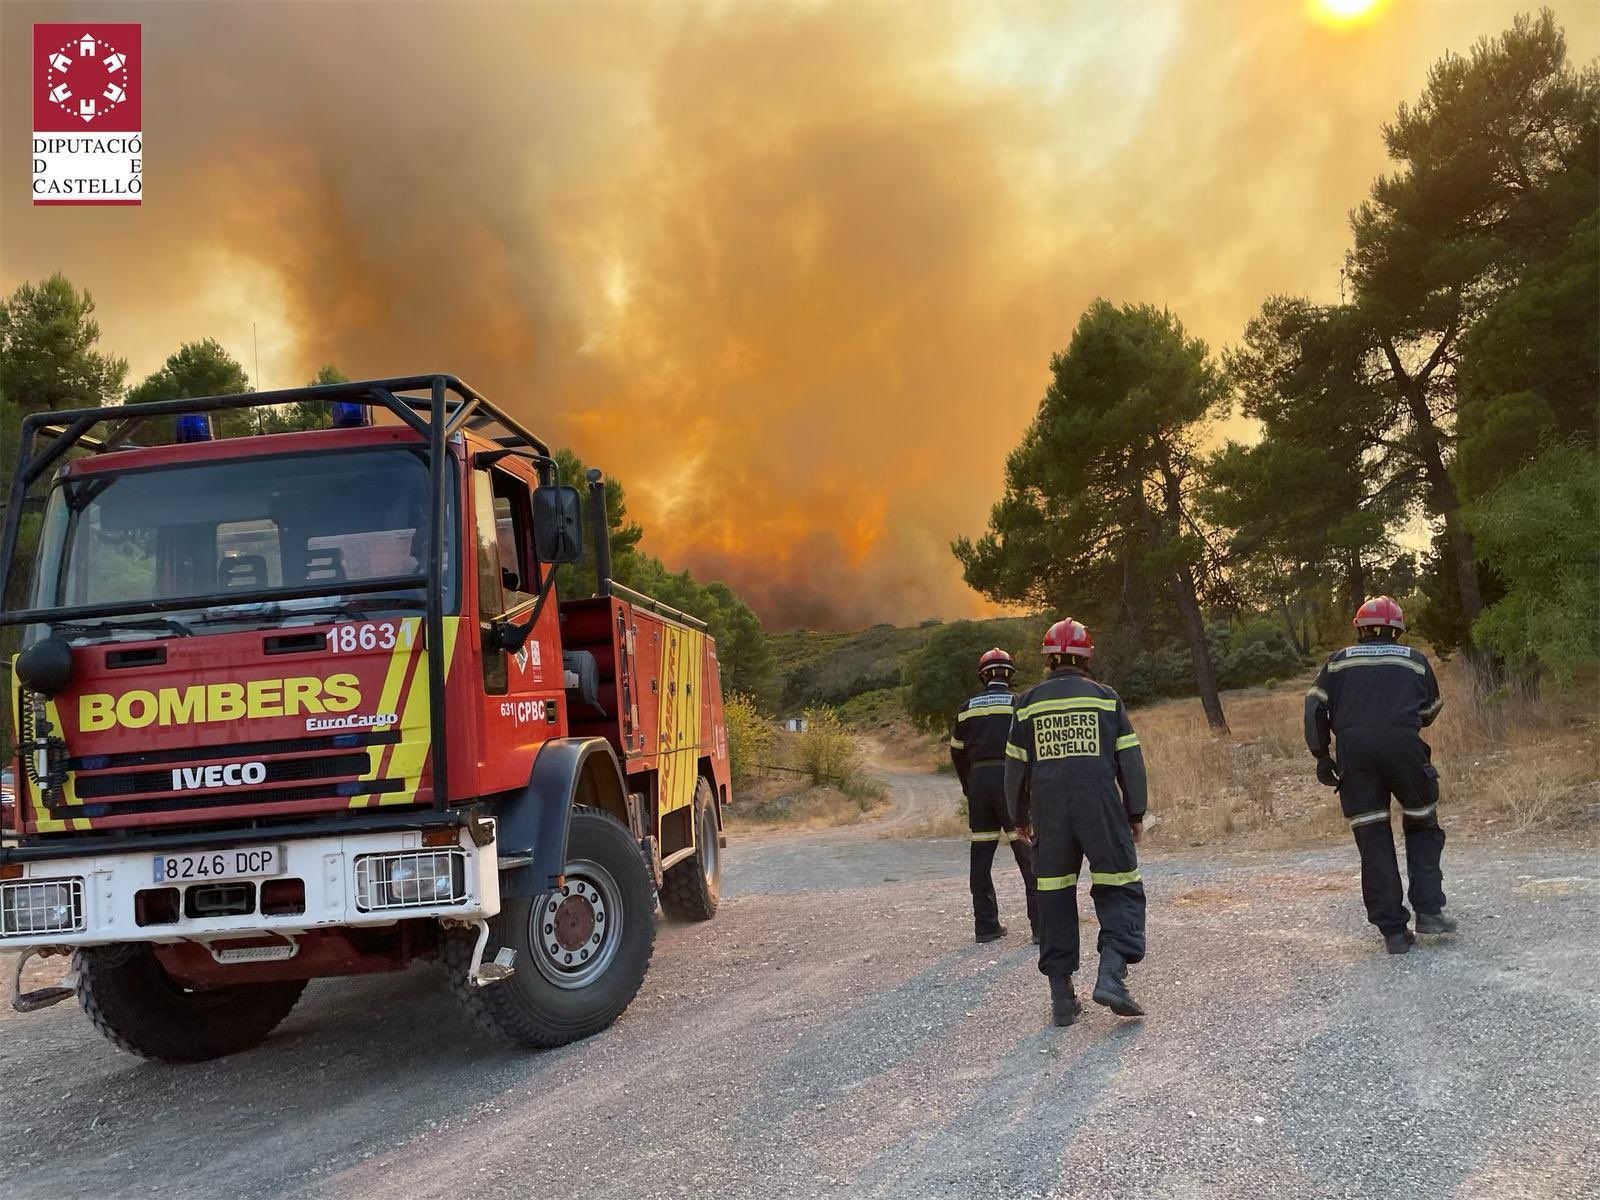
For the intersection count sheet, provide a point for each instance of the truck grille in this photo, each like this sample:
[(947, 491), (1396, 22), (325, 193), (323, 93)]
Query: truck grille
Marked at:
[(234, 750), (288, 771), (283, 770)]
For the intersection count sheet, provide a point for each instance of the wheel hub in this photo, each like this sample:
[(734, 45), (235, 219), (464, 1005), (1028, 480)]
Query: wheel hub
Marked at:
[(574, 922), (572, 926)]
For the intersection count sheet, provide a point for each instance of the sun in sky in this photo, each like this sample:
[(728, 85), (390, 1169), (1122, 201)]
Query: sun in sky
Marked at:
[(1344, 12)]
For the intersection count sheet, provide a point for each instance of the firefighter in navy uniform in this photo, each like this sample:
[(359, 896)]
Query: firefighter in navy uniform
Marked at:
[(1374, 698), (978, 750), (1075, 782)]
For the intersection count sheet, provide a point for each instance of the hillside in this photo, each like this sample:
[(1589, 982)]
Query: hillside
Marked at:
[(833, 668)]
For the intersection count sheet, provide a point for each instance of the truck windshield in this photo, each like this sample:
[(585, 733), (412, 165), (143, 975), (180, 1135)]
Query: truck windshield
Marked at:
[(248, 526)]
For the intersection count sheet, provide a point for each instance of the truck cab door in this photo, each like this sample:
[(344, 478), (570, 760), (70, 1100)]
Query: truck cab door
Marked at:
[(524, 692)]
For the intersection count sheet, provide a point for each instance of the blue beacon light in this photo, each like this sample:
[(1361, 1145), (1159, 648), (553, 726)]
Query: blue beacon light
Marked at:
[(347, 414), (194, 427)]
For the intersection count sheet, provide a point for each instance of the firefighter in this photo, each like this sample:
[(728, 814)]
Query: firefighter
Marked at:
[(1375, 697), (978, 750), (1075, 786)]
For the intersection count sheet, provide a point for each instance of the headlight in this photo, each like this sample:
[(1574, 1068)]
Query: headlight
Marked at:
[(41, 906), (411, 879)]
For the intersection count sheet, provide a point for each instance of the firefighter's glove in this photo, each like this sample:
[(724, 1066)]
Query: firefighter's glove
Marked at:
[(1327, 773), (1137, 829)]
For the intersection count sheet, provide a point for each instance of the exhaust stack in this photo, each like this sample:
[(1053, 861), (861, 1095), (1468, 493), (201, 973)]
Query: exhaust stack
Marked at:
[(602, 532)]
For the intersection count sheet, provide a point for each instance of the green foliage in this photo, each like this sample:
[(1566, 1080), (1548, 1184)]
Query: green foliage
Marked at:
[(880, 707), (1530, 369), (944, 672), (833, 668), (1253, 651), (48, 361), (48, 358), (826, 750), (579, 578), (197, 369), (1316, 495), (1541, 528), (1500, 159), (751, 739), (1100, 514), (1440, 619)]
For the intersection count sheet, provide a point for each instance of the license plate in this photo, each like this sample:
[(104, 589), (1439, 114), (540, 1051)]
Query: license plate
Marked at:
[(253, 863)]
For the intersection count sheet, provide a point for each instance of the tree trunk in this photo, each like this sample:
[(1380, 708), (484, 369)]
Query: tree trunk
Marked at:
[(1187, 601), (1466, 563), (1355, 575), (1289, 627), (1446, 502)]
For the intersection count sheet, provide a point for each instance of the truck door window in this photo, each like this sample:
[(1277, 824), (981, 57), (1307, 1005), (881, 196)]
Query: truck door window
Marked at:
[(513, 510), (506, 568), (491, 583)]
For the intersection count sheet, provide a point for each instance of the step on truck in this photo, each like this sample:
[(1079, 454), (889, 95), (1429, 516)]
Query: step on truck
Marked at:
[(311, 703)]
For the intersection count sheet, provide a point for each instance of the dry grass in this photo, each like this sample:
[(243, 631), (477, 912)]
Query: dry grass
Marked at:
[(784, 804), (1513, 757), (1510, 761)]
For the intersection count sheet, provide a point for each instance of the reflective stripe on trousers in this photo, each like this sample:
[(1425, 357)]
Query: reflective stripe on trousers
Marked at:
[(1056, 883)]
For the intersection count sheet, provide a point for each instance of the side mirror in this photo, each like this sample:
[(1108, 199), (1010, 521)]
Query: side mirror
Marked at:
[(557, 524)]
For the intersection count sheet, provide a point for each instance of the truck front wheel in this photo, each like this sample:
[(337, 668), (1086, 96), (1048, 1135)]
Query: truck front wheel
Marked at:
[(132, 1000), (582, 950)]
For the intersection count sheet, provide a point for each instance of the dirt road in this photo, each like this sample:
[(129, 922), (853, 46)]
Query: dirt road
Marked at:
[(834, 1032)]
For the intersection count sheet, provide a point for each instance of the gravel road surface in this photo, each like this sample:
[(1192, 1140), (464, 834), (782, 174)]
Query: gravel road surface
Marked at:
[(834, 1032)]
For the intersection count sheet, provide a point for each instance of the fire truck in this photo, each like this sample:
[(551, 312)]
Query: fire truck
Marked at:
[(311, 703)]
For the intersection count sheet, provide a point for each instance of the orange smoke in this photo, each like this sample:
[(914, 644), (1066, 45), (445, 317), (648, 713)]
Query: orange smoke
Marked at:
[(793, 274)]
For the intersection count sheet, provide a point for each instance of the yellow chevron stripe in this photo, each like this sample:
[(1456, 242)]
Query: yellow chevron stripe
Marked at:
[(406, 646), (412, 750)]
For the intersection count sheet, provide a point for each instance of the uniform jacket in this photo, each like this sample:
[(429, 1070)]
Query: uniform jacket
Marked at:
[(1071, 742), (1382, 684), (980, 730)]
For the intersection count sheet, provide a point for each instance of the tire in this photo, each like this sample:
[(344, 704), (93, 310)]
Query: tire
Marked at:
[(692, 889), (583, 963), (132, 1000)]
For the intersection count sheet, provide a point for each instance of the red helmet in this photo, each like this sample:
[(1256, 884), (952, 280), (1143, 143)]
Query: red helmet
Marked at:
[(1380, 611), (996, 660), (1068, 637)]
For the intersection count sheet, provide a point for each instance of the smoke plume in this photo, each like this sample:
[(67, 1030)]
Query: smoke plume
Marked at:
[(793, 273)]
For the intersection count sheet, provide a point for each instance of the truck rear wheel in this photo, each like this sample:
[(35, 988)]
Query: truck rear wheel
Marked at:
[(582, 950), (693, 888), (132, 1000)]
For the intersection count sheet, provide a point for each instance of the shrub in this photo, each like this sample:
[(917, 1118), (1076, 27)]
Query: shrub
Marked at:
[(825, 751), (751, 738)]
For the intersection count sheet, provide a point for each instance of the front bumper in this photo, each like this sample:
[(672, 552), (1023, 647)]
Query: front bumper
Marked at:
[(94, 900)]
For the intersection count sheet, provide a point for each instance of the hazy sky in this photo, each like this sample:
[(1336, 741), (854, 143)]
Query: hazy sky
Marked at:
[(793, 273)]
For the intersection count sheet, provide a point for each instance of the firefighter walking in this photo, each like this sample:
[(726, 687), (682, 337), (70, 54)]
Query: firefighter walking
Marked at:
[(1075, 781), (1374, 698), (978, 749)]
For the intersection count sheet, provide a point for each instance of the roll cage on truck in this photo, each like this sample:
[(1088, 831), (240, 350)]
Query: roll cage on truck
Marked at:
[(306, 704)]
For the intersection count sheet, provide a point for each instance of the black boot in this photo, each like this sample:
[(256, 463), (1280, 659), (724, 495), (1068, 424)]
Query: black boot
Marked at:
[(1399, 943), (1064, 1005), (1110, 988), (994, 935), (1435, 923)]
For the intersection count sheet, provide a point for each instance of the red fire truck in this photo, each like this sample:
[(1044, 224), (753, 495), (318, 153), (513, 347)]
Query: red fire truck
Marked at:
[(309, 704)]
